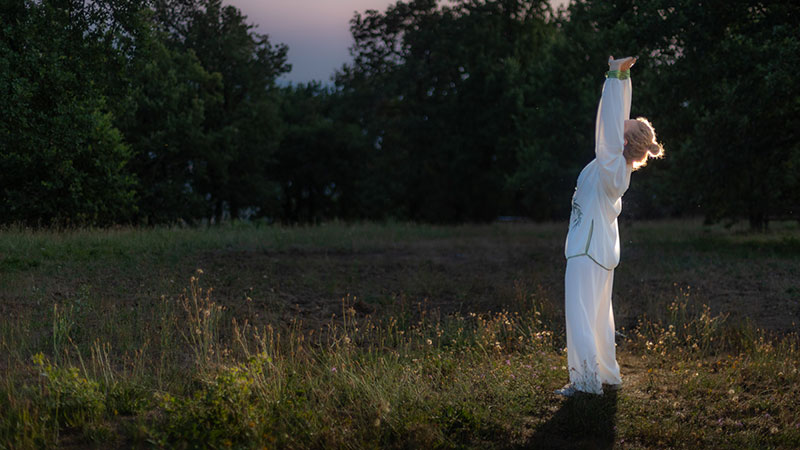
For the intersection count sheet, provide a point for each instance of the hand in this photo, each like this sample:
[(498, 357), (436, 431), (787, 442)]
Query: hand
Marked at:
[(622, 63)]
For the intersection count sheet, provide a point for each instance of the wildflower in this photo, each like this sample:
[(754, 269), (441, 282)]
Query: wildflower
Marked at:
[(508, 362), (333, 369), (429, 342)]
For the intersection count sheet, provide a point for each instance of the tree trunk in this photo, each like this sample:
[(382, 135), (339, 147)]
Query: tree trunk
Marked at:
[(218, 213), (758, 221)]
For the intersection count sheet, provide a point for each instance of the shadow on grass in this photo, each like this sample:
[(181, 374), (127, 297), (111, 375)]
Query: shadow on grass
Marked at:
[(583, 421)]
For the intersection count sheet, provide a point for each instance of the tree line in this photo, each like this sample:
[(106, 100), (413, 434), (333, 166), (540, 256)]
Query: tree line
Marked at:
[(165, 111)]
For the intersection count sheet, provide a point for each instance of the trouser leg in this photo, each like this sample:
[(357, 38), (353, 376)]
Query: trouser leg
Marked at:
[(581, 309), (608, 369)]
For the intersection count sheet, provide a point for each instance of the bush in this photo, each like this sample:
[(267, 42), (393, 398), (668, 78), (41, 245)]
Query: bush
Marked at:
[(222, 413), (70, 399)]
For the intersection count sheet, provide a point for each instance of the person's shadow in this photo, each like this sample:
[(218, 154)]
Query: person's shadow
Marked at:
[(583, 421)]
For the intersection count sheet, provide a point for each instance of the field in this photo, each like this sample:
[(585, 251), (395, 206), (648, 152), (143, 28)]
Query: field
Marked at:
[(390, 336)]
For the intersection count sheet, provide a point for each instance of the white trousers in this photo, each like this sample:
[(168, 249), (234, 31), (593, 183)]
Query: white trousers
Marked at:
[(591, 352)]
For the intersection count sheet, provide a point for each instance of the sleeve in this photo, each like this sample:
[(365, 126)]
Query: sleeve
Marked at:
[(614, 109)]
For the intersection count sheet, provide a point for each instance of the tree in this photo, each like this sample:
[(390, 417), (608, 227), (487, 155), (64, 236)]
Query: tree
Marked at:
[(441, 99), (163, 123), (62, 160), (244, 130), (718, 80), (744, 150), (321, 158)]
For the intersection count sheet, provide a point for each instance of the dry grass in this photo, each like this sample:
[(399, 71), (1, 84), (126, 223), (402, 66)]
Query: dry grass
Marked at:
[(389, 336)]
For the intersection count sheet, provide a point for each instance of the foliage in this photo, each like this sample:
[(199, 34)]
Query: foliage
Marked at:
[(71, 399), (62, 159), (243, 131), (221, 414), (717, 82), (322, 159), (168, 111), (731, 150), (438, 91), (744, 149), (164, 127)]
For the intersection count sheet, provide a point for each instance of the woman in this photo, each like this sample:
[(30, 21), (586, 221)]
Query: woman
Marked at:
[(592, 246)]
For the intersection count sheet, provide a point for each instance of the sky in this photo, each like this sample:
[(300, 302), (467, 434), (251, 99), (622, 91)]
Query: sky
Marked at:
[(316, 31)]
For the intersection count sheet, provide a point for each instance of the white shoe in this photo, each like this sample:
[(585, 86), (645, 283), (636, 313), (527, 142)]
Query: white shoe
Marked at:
[(567, 391)]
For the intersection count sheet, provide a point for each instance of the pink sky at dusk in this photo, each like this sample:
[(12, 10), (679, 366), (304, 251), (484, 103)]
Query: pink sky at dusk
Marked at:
[(316, 31)]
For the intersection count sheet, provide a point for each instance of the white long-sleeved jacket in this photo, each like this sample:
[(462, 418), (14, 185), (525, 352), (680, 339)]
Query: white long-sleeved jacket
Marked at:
[(597, 201)]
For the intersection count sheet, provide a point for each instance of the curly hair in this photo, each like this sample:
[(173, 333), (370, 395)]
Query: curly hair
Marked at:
[(641, 144)]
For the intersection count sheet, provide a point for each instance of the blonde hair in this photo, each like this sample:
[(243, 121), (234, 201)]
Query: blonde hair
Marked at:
[(641, 144)]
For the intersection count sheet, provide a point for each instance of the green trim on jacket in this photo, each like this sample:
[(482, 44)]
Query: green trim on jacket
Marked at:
[(586, 249)]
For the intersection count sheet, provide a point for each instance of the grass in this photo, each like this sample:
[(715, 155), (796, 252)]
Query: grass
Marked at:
[(389, 336)]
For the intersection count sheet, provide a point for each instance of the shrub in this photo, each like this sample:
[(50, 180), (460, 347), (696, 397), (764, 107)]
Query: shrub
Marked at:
[(220, 414), (71, 399)]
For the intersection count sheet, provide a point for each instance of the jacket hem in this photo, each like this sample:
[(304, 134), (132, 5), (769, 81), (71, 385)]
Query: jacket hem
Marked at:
[(590, 257)]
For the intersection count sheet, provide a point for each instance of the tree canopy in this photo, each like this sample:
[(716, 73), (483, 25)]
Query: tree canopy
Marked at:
[(167, 111)]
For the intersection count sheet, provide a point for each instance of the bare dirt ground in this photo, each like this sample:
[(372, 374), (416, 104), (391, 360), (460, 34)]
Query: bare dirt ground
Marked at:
[(494, 272), (489, 268)]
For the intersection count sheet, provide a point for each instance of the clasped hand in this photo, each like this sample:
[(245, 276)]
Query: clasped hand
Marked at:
[(621, 64)]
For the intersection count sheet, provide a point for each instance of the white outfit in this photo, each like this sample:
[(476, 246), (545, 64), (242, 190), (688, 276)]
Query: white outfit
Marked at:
[(592, 247)]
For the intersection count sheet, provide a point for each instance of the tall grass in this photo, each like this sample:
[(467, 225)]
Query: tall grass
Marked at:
[(476, 380), (186, 372)]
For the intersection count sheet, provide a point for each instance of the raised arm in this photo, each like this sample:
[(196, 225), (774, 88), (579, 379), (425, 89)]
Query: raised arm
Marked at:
[(614, 109)]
